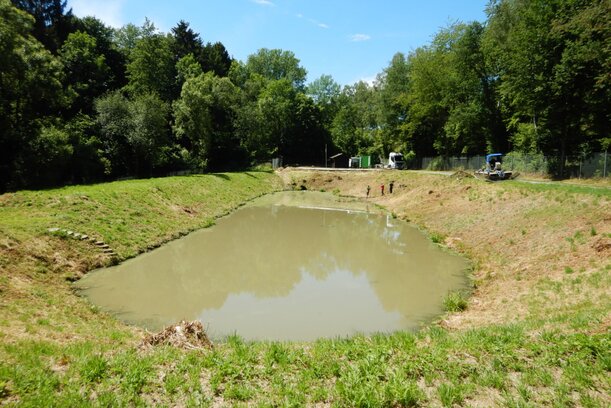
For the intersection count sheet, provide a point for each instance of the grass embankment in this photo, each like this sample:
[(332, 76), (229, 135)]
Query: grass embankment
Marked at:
[(535, 332)]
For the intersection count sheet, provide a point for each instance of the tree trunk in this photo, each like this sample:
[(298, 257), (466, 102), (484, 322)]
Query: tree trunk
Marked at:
[(562, 154)]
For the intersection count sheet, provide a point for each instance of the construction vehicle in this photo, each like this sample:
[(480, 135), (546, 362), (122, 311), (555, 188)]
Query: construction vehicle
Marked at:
[(493, 169), (395, 161)]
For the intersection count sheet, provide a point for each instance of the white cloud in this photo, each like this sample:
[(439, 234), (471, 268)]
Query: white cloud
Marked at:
[(263, 2), (369, 80), (359, 37), (315, 22), (109, 11)]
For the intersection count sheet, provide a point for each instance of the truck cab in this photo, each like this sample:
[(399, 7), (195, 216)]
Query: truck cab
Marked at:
[(395, 161)]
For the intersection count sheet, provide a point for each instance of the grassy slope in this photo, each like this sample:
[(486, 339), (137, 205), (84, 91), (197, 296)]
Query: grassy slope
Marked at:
[(535, 332)]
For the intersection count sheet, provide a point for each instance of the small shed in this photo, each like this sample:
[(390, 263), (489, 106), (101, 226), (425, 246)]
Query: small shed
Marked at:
[(334, 158), (365, 162)]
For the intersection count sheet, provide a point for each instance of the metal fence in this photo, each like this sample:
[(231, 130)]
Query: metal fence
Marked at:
[(586, 166)]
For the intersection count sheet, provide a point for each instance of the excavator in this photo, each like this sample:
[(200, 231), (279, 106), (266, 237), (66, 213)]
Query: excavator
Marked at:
[(493, 170)]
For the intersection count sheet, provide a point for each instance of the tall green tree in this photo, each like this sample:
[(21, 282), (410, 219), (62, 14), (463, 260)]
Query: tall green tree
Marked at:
[(474, 124), (553, 59), (275, 104), (345, 130), (394, 84), (87, 162), (187, 67), (134, 133), (442, 98), (215, 58), (87, 73), (105, 45), (49, 157), (113, 117), (249, 123), (427, 114), (30, 91), (210, 57), (582, 79), (204, 115), (52, 22), (151, 67), (309, 137), (325, 93), (485, 128), (277, 64), (149, 133), (355, 128), (126, 37), (324, 90), (186, 41)]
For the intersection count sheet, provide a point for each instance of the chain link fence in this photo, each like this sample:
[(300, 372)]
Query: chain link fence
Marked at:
[(583, 166)]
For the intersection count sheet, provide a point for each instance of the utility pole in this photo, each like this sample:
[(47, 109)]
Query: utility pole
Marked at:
[(326, 161)]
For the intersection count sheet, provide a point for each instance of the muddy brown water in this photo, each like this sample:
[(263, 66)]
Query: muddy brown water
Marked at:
[(289, 266)]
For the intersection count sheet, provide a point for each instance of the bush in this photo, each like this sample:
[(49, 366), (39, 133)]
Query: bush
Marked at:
[(437, 164), (526, 163), (455, 302)]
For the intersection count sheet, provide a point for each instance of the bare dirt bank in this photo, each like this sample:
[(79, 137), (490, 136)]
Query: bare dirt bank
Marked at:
[(524, 240)]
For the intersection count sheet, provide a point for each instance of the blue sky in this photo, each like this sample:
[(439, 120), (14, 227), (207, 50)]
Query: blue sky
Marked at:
[(349, 40)]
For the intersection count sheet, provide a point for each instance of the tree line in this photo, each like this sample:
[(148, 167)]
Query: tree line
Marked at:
[(82, 102)]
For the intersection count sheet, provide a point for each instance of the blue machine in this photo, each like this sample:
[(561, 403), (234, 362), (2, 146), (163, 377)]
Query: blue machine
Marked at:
[(493, 155), (493, 170)]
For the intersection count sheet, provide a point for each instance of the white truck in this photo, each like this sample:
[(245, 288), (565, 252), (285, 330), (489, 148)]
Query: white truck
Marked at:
[(395, 161)]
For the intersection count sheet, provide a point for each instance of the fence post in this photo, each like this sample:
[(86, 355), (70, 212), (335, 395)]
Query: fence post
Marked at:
[(605, 165)]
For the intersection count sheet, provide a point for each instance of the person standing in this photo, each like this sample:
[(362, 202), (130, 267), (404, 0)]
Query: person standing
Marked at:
[(390, 186), (382, 188), (368, 188)]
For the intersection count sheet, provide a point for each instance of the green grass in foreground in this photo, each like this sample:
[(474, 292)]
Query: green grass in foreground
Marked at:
[(498, 365)]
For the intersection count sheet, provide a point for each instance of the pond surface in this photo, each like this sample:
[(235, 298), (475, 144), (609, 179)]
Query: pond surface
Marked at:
[(289, 266)]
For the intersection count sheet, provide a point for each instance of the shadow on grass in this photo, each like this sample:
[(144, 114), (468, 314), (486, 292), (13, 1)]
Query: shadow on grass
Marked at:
[(221, 175)]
